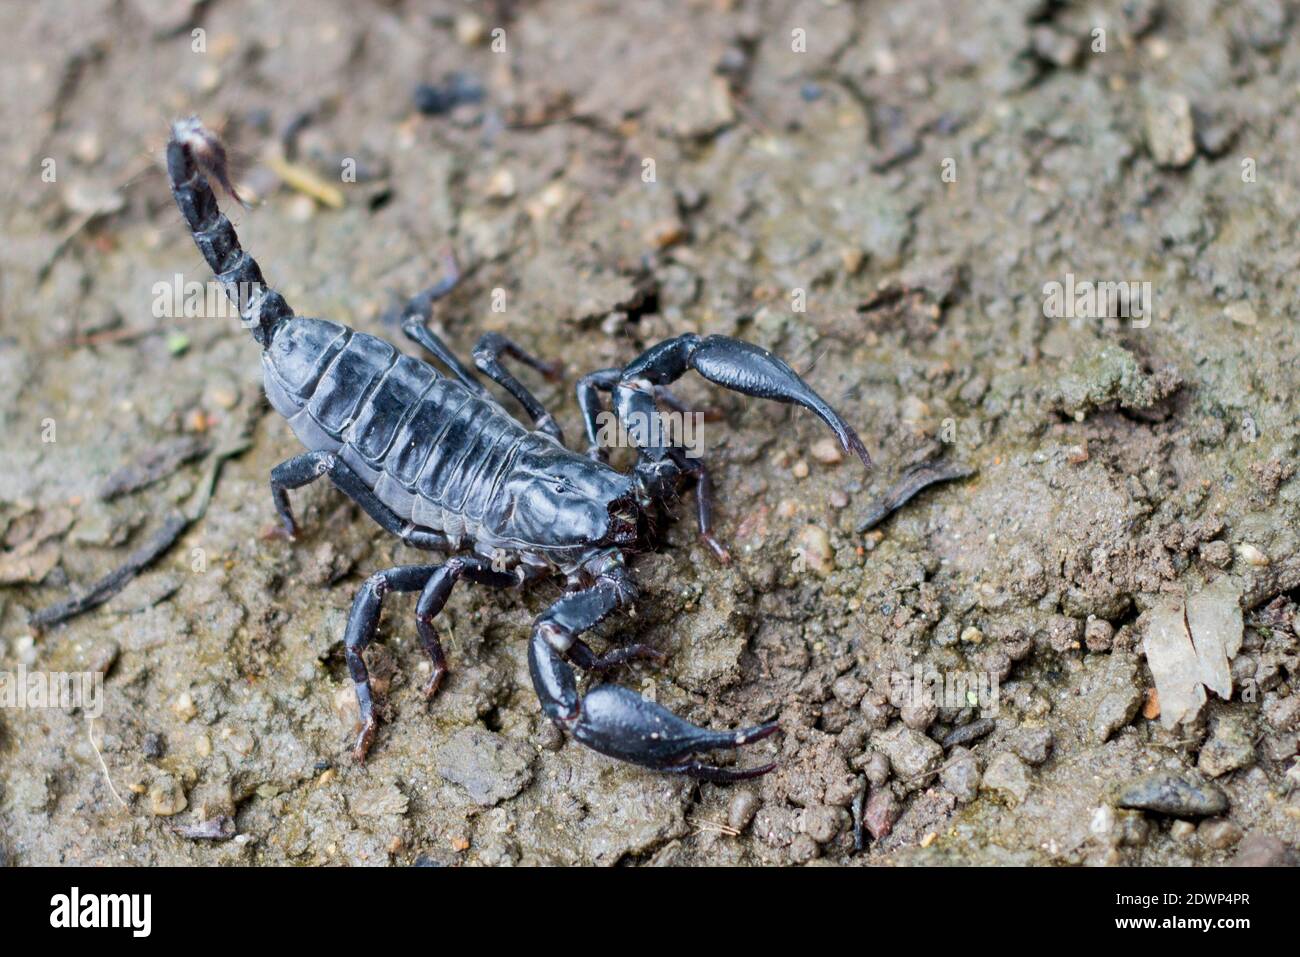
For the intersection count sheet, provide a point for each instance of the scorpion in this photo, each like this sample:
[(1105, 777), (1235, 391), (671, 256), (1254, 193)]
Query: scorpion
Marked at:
[(436, 460)]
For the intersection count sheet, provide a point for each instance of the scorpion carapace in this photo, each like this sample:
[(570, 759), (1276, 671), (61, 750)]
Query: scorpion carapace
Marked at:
[(437, 461)]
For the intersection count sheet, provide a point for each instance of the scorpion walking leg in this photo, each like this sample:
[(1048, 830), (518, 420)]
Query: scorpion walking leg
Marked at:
[(487, 356), (361, 631), (351, 485), (704, 508), (434, 596), (615, 720), (434, 582), (416, 315), (295, 473), (582, 655), (589, 388)]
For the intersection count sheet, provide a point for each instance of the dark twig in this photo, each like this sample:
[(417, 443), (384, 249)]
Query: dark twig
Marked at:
[(173, 527), (916, 479)]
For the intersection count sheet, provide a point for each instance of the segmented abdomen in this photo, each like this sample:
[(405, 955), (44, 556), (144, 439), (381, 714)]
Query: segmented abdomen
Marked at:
[(431, 449)]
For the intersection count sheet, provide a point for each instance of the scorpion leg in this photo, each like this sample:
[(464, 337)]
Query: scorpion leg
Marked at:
[(582, 655), (434, 597), (704, 508), (615, 720), (362, 621), (487, 356), (589, 388), (434, 582), (351, 485), (415, 316), (295, 473)]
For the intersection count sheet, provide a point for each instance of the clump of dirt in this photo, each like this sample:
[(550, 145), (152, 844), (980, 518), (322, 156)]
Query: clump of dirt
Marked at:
[(880, 194)]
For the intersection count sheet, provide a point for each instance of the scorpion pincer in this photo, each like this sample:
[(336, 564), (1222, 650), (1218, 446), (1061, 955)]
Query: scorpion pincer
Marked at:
[(436, 460)]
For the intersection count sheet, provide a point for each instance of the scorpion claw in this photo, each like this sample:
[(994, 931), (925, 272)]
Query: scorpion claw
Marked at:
[(619, 722), (707, 772), (748, 369)]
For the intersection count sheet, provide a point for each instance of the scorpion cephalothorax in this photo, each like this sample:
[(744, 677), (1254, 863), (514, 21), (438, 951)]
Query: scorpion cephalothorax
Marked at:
[(437, 461)]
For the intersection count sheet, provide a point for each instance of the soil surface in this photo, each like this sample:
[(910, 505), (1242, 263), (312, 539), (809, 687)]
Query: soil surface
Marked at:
[(881, 193)]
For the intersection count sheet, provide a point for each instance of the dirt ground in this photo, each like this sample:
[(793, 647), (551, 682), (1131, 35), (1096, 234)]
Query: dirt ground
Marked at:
[(916, 173)]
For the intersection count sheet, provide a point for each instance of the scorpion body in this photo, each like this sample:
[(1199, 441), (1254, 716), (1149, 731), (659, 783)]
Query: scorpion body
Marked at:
[(436, 460), (434, 453)]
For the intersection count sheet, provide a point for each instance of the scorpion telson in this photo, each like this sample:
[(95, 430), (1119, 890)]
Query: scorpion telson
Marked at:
[(435, 460)]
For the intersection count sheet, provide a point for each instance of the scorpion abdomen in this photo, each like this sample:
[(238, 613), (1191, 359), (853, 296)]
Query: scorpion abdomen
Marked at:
[(428, 447)]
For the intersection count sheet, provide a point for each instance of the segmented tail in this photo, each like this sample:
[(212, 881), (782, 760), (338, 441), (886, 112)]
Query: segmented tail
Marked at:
[(191, 151)]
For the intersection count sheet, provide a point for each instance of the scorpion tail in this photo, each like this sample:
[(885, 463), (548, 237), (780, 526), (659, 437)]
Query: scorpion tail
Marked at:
[(617, 721), (191, 151)]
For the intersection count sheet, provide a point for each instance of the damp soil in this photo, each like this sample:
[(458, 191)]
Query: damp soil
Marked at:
[(881, 194)]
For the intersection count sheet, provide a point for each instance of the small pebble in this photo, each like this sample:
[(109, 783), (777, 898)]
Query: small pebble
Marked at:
[(301, 208), (1033, 745), (1218, 554), (803, 849), (876, 769), (166, 798), (813, 549), (919, 715), (1178, 795), (470, 30), (1264, 850), (822, 823), (961, 775), (1170, 129), (1098, 634), (913, 409), (881, 812), (1242, 313), (1219, 835), (827, 451), (972, 635), (1114, 711), (1251, 555), (500, 185), (1008, 775), (800, 469), (153, 746), (183, 707), (1151, 705), (1231, 746), (741, 810)]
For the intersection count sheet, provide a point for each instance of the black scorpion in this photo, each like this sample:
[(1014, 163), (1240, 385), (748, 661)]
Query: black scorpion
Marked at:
[(438, 462)]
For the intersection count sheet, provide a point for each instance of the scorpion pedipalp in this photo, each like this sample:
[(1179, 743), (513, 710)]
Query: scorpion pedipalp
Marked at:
[(615, 720)]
